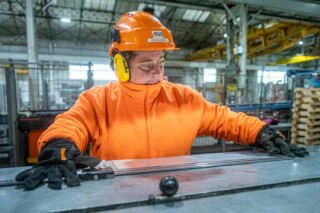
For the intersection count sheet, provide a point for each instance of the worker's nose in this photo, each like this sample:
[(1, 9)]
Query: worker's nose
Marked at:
[(157, 70)]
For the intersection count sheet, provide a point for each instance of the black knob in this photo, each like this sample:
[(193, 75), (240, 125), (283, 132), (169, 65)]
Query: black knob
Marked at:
[(169, 186)]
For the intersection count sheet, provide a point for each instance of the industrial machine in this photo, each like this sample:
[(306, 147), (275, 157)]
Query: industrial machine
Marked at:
[(248, 181), (30, 129)]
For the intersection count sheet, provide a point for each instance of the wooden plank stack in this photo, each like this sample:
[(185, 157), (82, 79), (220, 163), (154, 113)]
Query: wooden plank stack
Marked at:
[(306, 118)]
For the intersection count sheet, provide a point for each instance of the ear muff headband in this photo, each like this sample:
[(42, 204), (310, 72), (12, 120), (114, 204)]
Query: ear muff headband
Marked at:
[(121, 68)]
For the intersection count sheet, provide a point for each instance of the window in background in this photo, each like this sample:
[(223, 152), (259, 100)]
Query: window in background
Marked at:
[(100, 72), (210, 75), (103, 72), (77, 72), (271, 76)]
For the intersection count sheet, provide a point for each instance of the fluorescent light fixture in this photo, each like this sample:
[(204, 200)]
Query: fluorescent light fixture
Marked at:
[(225, 35), (301, 42), (66, 20)]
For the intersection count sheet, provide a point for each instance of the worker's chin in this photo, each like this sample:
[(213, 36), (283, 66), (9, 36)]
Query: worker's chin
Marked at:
[(152, 81)]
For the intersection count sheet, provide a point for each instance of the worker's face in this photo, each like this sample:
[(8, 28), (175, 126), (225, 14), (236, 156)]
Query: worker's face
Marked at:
[(146, 67)]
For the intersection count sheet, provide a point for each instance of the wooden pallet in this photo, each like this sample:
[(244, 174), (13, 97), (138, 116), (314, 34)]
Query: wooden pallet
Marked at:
[(306, 118)]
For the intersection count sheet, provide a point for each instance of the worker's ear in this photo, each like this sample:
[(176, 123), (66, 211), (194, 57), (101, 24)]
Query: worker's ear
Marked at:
[(121, 68)]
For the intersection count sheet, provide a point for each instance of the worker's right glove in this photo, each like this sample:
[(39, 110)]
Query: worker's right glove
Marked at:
[(274, 142), (59, 158)]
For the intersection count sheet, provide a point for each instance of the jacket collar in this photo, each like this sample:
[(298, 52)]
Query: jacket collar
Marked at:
[(138, 92)]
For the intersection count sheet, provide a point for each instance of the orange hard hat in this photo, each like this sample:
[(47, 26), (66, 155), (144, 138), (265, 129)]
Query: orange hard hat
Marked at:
[(140, 31)]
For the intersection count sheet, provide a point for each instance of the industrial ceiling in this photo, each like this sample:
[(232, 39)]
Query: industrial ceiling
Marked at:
[(195, 24)]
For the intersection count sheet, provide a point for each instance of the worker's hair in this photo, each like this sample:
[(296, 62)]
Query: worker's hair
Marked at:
[(128, 55)]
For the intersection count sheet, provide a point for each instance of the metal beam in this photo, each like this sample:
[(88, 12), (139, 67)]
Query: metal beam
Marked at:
[(80, 24), (14, 18), (32, 51), (47, 5), (66, 30), (243, 38), (293, 6), (220, 25), (232, 16), (21, 5), (106, 59), (254, 17), (31, 32), (284, 18), (172, 27), (2, 25), (229, 41), (12, 111), (95, 33), (179, 5)]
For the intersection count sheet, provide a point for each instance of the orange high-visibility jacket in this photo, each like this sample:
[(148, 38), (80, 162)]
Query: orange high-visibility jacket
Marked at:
[(128, 121)]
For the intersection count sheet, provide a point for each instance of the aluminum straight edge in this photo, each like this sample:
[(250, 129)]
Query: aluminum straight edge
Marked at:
[(165, 168)]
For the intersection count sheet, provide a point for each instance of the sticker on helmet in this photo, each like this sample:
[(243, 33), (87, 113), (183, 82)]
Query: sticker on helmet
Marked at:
[(157, 37)]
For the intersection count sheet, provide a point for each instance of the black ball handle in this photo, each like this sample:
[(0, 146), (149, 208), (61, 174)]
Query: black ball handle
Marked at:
[(169, 186)]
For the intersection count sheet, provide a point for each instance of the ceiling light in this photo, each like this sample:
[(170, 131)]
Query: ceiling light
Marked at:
[(66, 20)]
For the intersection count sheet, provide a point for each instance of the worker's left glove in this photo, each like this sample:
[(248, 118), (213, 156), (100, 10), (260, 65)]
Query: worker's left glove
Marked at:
[(274, 142), (59, 158)]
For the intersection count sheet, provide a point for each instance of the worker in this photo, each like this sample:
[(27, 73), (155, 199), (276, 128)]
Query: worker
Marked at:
[(140, 116), (315, 82)]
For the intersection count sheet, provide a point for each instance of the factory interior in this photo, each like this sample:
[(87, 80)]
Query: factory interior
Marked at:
[(257, 57)]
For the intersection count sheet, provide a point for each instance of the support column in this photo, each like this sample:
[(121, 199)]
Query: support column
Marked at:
[(12, 113), (243, 42), (229, 41), (32, 52), (90, 76)]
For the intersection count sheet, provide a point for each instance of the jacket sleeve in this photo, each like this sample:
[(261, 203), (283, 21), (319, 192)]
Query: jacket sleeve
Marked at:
[(76, 125), (219, 122)]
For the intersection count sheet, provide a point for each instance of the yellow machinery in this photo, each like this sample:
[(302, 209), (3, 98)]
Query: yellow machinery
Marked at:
[(294, 59), (262, 41)]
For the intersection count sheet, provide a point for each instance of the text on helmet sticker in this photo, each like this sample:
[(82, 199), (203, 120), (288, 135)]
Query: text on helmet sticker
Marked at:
[(157, 37)]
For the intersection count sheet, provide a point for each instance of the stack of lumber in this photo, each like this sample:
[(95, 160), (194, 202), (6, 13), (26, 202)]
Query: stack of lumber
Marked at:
[(306, 117)]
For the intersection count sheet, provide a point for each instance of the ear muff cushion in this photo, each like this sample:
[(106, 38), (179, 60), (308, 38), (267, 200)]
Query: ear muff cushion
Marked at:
[(121, 68)]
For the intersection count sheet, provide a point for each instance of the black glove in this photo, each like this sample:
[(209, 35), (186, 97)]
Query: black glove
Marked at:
[(59, 158), (274, 142)]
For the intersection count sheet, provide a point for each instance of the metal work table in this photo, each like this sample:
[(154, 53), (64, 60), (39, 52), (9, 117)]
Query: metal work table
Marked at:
[(254, 183)]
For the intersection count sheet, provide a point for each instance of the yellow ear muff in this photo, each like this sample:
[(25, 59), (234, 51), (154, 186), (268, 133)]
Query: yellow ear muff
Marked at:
[(121, 68)]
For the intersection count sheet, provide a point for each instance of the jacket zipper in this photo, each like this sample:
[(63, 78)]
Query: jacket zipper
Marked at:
[(146, 121)]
